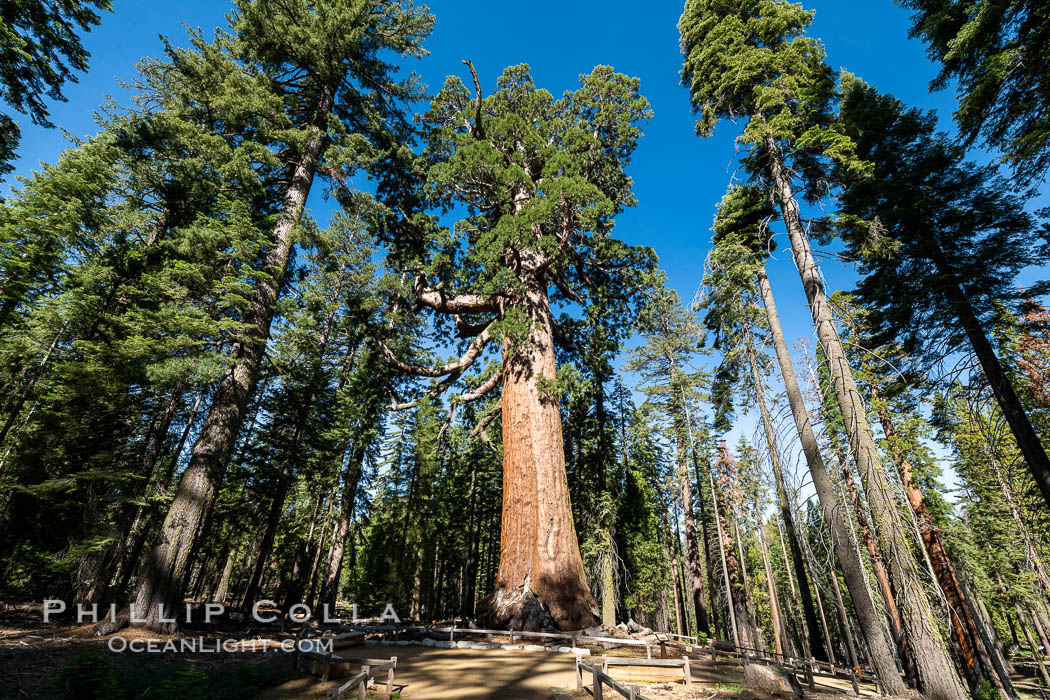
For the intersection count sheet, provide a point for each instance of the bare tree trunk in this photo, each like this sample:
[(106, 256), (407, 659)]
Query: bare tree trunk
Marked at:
[(816, 645), (820, 603), (224, 582), (936, 670), (849, 556), (712, 617), (1037, 655), (692, 551), (676, 586), (751, 634), (608, 582), (977, 664), (771, 588), (541, 579), (847, 631), (725, 566)]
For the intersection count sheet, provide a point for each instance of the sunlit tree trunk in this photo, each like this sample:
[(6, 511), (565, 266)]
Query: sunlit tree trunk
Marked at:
[(541, 581), (936, 670), (849, 557)]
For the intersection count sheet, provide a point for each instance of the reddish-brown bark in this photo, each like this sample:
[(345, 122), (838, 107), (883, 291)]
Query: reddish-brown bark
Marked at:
[(541, 581)]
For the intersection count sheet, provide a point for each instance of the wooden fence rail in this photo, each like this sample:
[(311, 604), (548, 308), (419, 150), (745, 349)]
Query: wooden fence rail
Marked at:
[(600, 679), (810, 668), (370, 669)]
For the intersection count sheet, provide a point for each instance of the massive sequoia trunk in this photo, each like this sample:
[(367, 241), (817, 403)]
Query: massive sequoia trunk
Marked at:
[(849, 556), (936, 670), (540, 582), (162, 581)]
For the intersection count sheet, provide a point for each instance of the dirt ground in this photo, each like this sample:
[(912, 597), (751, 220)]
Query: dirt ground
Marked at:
[(30, 652), (431, 674)]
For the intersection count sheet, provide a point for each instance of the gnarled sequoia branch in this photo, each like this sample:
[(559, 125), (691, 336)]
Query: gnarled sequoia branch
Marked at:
[(469, 357)]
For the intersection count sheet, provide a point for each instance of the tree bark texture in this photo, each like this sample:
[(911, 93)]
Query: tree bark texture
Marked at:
[(936, 670), (541, 581), (850, 561)]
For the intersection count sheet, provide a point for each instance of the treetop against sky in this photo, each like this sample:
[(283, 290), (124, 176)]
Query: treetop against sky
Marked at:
[(678, 178)]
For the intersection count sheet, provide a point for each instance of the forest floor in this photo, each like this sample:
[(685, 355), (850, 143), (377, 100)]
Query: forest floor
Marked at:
[(432, 674), (32, 655)]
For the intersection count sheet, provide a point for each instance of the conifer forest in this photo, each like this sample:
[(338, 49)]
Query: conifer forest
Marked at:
[(293, 324)]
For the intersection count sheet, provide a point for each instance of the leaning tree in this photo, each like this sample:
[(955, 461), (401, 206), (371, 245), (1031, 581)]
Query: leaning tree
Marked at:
[(752, 59), (537, 181), (311, 83)]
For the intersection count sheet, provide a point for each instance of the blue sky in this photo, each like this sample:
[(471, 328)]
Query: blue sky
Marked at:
[(678, 177)]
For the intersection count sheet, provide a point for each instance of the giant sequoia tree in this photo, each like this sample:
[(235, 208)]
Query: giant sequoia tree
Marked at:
[(752, 58), (539, 180), (317, 72)]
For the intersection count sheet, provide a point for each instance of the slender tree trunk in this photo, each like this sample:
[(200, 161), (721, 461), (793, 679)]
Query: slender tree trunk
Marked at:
[(820, 603), (676, 584), (541, 579), (849, 556), (801, 637), (1024, 432), (936, 670), (608, 582), (224, 582), (712, 617), (161, 584), (816, 644), (284, 480), (771, 588), (725, 566), (470, 568), (847, 631), (1037, 655), (1039, 631), (977, 664), (337, 547), (751, 633), (692, 551)]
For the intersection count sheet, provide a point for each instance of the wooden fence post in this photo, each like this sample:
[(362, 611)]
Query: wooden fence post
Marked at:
[(853, 680), (579, 674), (634, 692), (596, 682), (390, 676), (362, 687), (809, 674), (688, 673), (648, 651), (663, 649)]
